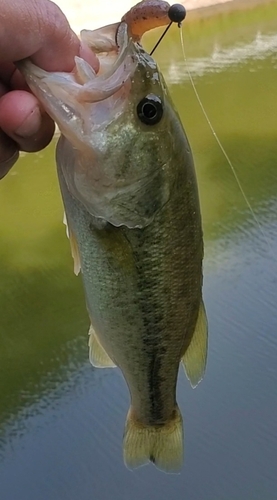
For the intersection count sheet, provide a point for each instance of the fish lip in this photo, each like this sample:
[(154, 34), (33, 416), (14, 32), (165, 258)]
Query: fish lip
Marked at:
[(122, 35), (126, 46)]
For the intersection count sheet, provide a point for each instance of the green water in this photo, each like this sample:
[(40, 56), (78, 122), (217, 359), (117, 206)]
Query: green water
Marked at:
[(61, 422)]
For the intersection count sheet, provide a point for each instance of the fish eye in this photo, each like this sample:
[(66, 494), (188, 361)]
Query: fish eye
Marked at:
[(150, 109)]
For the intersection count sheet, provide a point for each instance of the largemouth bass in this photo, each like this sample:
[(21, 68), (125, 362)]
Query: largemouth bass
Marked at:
[(130, 194)]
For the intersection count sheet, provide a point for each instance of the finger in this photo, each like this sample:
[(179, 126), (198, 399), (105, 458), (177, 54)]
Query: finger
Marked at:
[(22, 119), (8, 154), (12, 78), (42, 31)]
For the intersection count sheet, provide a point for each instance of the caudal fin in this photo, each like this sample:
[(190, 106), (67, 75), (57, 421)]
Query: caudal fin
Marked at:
[(162, 445)]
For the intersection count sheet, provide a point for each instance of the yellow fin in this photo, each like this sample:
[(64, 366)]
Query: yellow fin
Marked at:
[(162, 445), (195, 357), (74, 247), (97, 355)]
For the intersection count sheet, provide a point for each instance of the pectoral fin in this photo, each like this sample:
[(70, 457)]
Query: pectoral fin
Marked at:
[(74, 247), (195, 357), (97, 355)]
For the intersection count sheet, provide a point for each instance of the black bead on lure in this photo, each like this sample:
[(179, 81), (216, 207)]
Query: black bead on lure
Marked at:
[(176, 14)]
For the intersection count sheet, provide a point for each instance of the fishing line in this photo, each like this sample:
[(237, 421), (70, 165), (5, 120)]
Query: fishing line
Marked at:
[(160, 39), (219, 142)]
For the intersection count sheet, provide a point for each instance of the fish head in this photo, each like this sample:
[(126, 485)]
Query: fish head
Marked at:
[(117, 128)]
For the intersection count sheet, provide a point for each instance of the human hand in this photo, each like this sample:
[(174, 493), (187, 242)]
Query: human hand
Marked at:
[(39, 30)]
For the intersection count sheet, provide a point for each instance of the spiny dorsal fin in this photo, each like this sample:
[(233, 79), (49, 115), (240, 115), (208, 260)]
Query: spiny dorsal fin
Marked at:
[(73, 245), (195, 357), (97, 354)]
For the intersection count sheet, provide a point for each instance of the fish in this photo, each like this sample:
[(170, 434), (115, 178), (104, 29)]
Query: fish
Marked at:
[(129, 189)]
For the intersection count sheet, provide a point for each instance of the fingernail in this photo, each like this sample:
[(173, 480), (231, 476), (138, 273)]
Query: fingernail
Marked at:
[(31, 125)]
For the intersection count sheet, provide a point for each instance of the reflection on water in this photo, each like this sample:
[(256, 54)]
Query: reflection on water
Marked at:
[(61, 421), (262, 47)]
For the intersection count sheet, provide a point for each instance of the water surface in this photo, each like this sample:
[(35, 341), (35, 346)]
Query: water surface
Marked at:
[(61, 421)]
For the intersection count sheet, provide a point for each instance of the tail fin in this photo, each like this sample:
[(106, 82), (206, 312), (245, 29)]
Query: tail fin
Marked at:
[(162, 445)]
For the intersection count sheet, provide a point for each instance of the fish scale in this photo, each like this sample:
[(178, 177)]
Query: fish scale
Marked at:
[(150, 280)]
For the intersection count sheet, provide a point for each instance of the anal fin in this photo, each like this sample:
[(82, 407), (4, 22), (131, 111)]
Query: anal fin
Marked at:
[(195, 357), (97, 354)]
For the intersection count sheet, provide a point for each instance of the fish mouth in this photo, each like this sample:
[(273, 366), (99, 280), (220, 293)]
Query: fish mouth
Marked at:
[(84, 98), (108, 92), (122, 63)]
